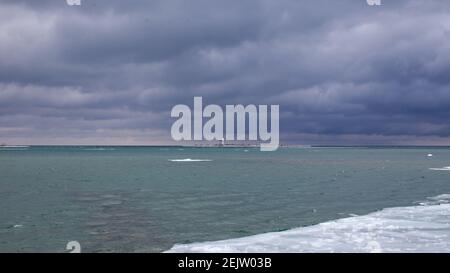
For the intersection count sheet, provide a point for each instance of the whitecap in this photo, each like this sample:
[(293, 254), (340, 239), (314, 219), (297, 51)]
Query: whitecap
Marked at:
[(190, 160), (99, 149), (14, 147), (436, 200), (440, 169)]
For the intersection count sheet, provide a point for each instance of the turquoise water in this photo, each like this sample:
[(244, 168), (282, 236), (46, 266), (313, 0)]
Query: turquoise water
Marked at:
[(134, 199)]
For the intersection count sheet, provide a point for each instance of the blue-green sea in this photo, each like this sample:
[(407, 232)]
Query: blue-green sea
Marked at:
[(138, 199)]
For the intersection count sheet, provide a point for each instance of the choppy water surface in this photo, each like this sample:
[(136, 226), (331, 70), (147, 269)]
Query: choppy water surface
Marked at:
[(146, 199)]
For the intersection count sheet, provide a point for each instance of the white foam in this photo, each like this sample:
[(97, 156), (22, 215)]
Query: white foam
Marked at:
[(445, 196), (440, 199), (190, 160), (14, 146), (402, 229), (99, 149), (440, 169)]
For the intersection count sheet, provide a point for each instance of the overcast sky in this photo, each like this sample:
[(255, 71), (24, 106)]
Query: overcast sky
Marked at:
[(109, 71)]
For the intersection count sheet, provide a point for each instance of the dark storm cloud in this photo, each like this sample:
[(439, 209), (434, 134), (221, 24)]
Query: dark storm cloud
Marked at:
[(109, 71)]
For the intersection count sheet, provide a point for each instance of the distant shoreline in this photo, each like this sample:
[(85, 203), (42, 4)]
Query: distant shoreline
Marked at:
[(233, 146)]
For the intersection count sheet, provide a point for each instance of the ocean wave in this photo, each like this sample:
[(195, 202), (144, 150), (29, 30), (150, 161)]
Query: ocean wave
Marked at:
[(401, 229), (14, 147), (440, 169), (190, 160), (436, 200), (99, 149)]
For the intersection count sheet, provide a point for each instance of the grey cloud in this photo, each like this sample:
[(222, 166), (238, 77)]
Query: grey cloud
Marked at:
[(338, 69)]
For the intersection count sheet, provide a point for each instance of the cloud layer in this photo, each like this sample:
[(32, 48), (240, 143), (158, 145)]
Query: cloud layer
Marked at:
[(109, 71)]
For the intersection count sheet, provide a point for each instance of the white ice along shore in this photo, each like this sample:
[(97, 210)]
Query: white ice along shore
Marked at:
[(403, 229), (235, 117)]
